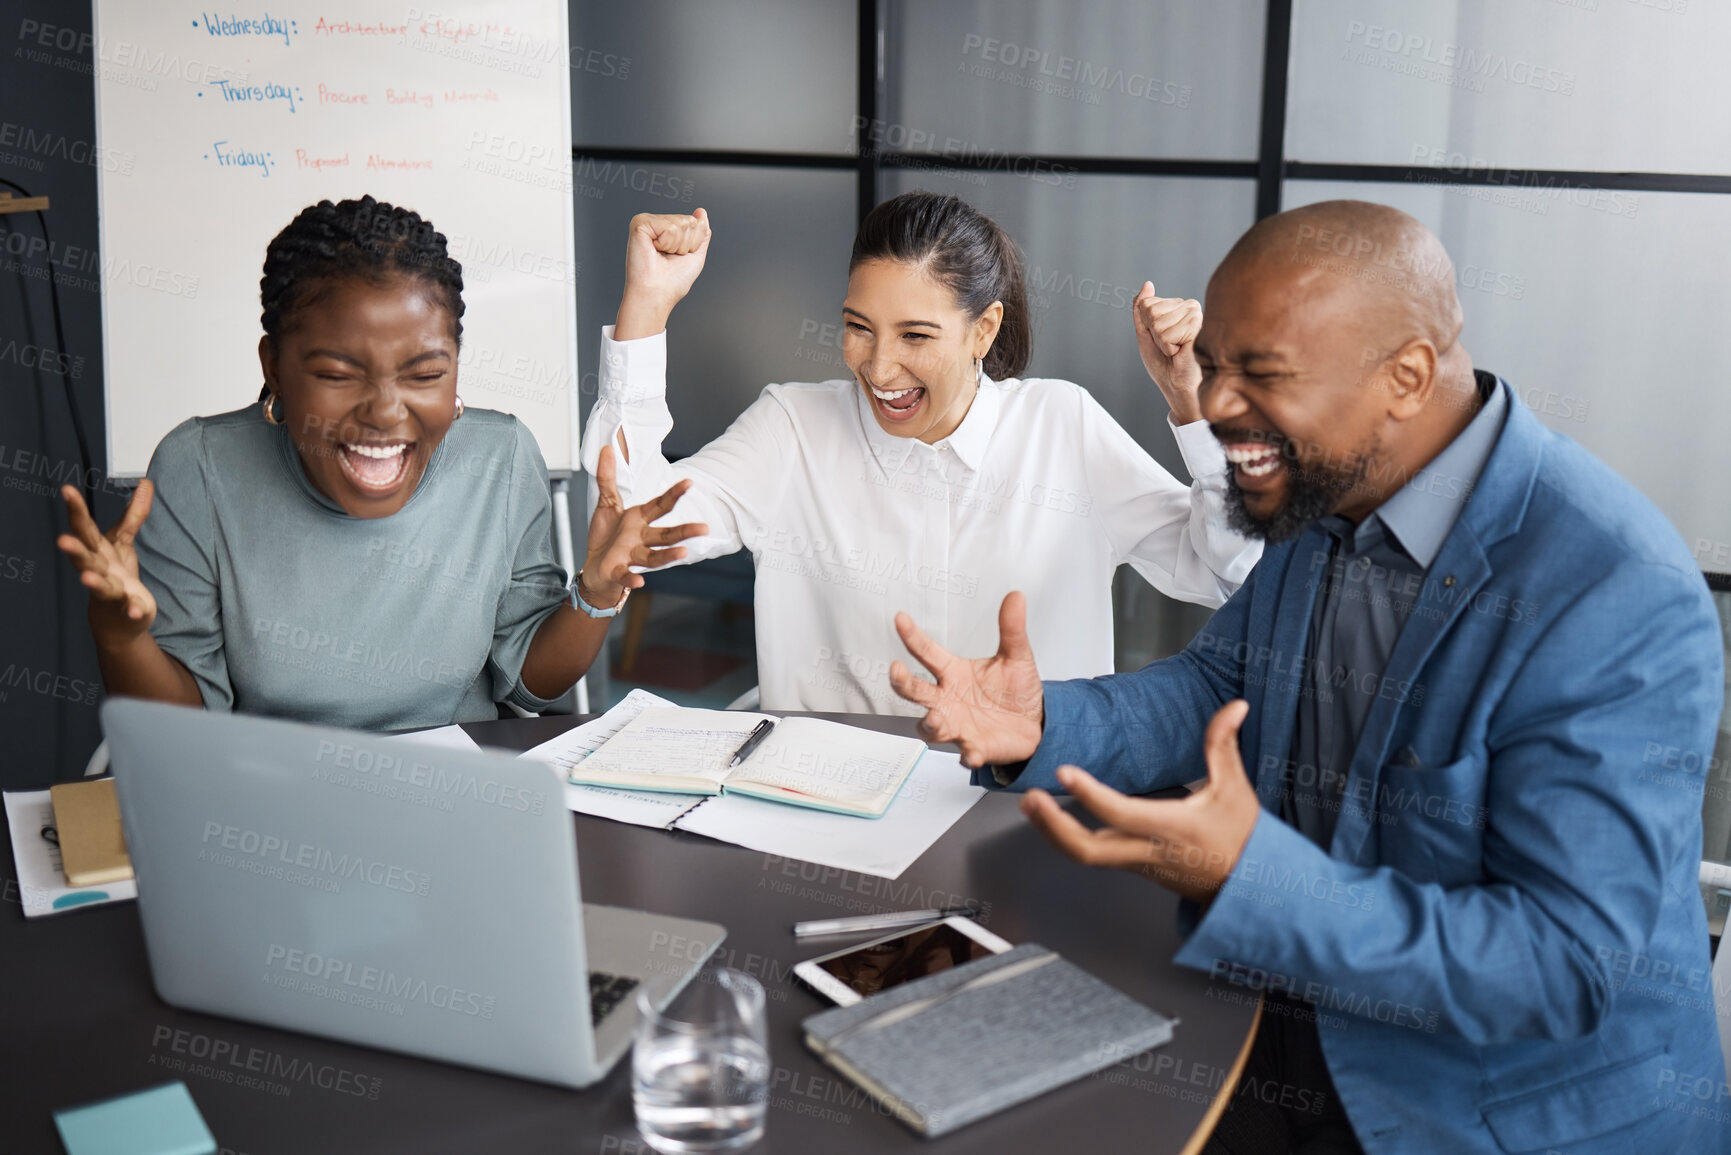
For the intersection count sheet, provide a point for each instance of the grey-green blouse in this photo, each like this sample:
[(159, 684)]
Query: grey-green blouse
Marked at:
[(282, 604)]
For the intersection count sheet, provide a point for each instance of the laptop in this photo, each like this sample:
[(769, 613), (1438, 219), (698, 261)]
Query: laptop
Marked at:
[(418, 898)]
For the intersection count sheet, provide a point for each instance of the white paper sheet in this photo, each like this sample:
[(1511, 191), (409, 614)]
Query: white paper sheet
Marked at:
[(452, 735), (41, 880), (640, 808), (579, 742), (934, 797)]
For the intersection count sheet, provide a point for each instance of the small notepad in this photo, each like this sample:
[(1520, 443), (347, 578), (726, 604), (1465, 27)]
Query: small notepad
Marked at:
[(804, 761), (950, 1048), (92, 846)]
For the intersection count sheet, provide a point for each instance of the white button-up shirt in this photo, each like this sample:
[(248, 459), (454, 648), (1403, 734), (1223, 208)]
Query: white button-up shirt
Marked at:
[(1037, 490)]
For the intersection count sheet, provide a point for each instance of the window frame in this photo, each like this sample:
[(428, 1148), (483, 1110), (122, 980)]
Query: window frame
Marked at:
[(1270, 170)]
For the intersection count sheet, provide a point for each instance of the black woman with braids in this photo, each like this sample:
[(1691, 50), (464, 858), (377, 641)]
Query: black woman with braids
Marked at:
[(357, 548)]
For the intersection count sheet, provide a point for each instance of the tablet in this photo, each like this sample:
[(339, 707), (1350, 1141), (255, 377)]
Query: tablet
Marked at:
[(847, 976)]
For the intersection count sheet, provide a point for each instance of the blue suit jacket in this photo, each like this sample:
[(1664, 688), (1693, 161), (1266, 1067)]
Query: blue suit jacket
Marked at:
[(1504, 942)]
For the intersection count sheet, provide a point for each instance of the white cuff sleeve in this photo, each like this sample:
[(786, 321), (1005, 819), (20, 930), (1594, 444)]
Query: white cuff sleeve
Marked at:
[(632, 370), (1202, 454)]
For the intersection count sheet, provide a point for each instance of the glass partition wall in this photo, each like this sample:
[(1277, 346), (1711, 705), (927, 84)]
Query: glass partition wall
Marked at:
[(1129, 140)]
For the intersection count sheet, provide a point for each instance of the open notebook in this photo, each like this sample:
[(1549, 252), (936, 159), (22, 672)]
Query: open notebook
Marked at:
[(804, 761)]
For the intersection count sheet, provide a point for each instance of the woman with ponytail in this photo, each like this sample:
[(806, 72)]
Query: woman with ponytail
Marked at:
[(356, 548), (937, 479)]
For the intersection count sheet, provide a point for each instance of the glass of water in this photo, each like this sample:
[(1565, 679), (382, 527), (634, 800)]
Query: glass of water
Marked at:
[(700, 1068)]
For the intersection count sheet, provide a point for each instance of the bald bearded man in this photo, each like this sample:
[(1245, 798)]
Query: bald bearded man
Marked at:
[(1435, 833)]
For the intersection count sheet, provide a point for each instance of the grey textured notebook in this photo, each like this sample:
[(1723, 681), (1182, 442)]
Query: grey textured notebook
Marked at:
[(950, 1048)]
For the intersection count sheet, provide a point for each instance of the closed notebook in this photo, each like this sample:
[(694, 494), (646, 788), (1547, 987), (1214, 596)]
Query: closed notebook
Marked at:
[(87, 822), (803, 761), (948, 1049)]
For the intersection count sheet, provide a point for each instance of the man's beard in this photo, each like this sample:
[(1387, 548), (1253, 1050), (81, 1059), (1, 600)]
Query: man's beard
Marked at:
[(1311, 494)]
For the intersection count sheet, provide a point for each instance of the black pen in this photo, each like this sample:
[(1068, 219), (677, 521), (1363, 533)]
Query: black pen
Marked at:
[(752, 740)]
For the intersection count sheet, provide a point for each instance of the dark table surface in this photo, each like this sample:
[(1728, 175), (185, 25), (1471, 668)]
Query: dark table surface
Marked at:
[(81, 1022)]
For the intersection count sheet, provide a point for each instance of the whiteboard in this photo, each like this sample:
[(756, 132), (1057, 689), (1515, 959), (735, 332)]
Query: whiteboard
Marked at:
[(222, 125)]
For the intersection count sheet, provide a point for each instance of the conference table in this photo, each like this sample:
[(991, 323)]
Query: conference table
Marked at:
[(82, 1022)]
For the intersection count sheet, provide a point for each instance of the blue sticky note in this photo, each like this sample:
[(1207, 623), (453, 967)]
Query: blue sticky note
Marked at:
[(161, 1121)]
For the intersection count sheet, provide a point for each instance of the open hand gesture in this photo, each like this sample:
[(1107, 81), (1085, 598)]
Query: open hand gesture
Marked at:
[(1188, 845), (992, 708), (620, 538), (1166, 329), (121, 608)]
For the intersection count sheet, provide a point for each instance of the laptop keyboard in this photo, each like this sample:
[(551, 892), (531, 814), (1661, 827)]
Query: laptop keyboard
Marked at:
[(606, 992)]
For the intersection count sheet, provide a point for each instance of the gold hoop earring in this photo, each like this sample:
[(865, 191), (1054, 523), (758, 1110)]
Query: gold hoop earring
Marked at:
[(269, 408), (458, 415)]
